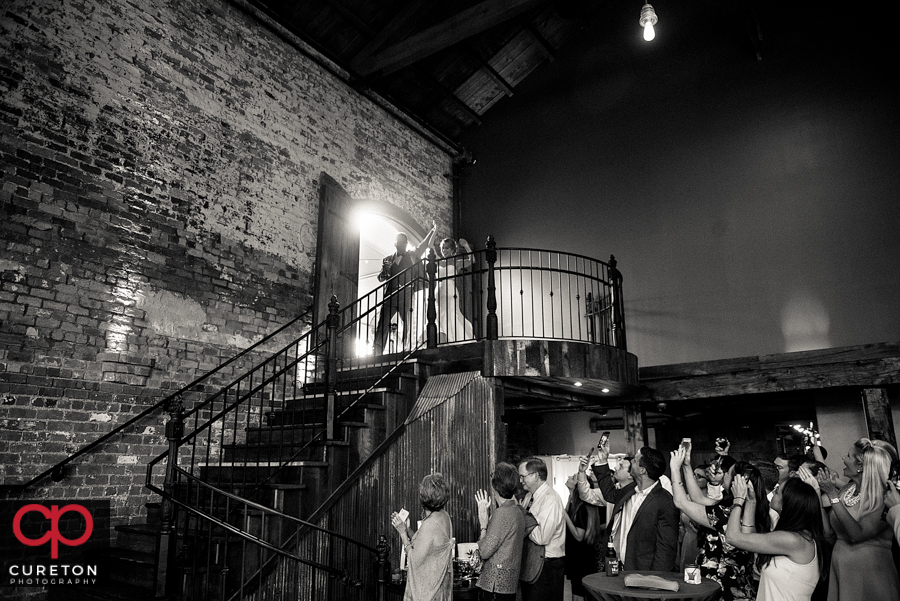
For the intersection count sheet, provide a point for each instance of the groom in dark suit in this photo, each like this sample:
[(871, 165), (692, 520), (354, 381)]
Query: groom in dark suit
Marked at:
[(644, 524)]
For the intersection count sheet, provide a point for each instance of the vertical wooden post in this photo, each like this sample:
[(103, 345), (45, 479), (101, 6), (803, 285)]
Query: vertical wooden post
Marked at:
[(331, 363), (635, 427), (491, 257), (382, 567), (618, 321), (431, 332), (166, 550), (879, 422)]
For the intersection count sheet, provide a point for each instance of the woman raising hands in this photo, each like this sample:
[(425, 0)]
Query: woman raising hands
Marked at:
[(789, 557)]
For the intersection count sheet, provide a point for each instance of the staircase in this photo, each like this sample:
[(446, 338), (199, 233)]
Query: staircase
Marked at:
[(307, 474), (253, 468)]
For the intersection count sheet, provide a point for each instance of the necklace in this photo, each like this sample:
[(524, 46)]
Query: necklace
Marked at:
[(850, 496)]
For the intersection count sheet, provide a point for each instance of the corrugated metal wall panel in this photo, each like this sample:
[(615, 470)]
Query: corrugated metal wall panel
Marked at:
[(456, 433)]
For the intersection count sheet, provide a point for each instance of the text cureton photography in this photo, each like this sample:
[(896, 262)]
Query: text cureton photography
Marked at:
[(53, 542)]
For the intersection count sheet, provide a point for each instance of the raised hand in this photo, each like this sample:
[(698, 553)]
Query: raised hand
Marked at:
[(804, 474), (714, 473), (828, 482), (676, 459), (583, 464), (397, 523), (722, 446), (603, 453), (892, 497), (740, 487), (483, 500)]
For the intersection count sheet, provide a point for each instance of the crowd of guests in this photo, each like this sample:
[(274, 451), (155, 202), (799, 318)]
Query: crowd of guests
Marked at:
[(787, 529)]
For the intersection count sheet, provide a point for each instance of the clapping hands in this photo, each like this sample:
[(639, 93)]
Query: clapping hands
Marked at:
[(804, 474), (828, 483)]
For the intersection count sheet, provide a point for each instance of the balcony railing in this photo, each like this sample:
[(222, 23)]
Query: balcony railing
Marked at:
[(496, 293)]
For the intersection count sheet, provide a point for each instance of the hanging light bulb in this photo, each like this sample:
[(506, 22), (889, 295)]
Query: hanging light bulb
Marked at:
[(648, 20)]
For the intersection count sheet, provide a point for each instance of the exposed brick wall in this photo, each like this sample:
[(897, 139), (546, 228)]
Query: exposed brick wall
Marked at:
[(159, 202)]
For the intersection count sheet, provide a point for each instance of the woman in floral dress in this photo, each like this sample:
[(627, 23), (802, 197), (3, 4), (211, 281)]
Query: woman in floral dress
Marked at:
[(731, 567)]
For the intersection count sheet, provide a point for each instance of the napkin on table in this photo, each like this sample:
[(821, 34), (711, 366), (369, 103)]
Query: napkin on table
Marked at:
[(653, 582)]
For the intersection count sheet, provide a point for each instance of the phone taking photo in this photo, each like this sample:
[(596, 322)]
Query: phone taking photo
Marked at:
[(686, 444), (604, 438), (894, 475)]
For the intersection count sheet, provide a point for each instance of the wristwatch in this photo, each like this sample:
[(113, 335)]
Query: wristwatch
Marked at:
[(835, 500)]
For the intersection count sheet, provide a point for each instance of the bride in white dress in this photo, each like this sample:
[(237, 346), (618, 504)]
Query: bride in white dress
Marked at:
[(452, 324)]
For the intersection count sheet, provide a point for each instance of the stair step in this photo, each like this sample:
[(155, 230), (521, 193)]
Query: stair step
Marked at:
[(291, 414), (137, 537), (296, 433), (281, 451), (132, 567)]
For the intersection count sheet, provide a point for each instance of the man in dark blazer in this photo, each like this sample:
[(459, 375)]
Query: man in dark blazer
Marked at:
[(644, 524)]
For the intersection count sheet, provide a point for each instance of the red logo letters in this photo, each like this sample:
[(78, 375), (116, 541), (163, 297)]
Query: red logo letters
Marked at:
[(53, 514)]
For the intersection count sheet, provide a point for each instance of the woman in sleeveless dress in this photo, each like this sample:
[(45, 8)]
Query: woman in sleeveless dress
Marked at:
[(452, 324), (790, 556), (862, 566)]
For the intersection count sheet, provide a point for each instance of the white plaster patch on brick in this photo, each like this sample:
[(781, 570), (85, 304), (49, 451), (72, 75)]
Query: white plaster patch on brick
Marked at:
[(172, 314), (31, 332), (100, 417), (127, 459), (149, 430), (13, 266)]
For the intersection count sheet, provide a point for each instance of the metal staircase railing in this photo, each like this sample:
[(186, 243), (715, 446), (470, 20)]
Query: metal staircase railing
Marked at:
[(275, 429), (271, 431), (195, 389)]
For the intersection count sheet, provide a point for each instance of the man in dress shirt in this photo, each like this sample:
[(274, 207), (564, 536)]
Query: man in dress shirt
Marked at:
[(644, 521), (547, 508), (399, 293)]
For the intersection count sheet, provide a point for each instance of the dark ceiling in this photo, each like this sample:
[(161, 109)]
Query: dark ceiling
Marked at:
[(447, 62)]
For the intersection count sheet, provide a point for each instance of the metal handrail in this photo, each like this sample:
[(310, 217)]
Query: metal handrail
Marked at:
[(57, 470)]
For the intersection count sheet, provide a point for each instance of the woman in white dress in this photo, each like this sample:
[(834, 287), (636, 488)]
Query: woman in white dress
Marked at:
[(452, 324)]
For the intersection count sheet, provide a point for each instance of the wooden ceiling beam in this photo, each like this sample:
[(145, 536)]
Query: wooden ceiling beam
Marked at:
[(867, 365), (449, 94), (461, 26), (549, 51), (381, 37), (490, 72)]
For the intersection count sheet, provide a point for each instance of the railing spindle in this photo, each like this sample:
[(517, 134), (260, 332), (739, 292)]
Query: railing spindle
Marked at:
[(491, 256)]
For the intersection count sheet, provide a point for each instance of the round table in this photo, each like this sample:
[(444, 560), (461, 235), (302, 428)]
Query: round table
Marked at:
[(607, 588)]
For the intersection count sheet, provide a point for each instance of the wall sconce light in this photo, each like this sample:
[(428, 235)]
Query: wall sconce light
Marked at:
[(648, 20)]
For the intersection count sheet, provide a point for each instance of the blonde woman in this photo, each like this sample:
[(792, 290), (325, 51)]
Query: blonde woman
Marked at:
[(862, 566)]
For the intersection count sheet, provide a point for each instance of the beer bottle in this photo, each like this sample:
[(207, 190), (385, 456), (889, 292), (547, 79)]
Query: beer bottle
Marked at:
[(612, 561)]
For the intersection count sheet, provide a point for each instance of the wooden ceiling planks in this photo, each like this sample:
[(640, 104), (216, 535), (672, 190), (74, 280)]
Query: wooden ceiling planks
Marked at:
[(446, 62)]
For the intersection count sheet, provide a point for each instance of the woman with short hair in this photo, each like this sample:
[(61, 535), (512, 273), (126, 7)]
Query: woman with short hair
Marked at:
[(430, 550), (502, 536)]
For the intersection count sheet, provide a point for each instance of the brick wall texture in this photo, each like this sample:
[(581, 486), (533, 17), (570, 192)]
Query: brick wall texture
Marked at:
[(159, 203)]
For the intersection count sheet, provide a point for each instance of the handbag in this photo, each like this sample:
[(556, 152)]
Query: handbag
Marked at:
[(532, 553)]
